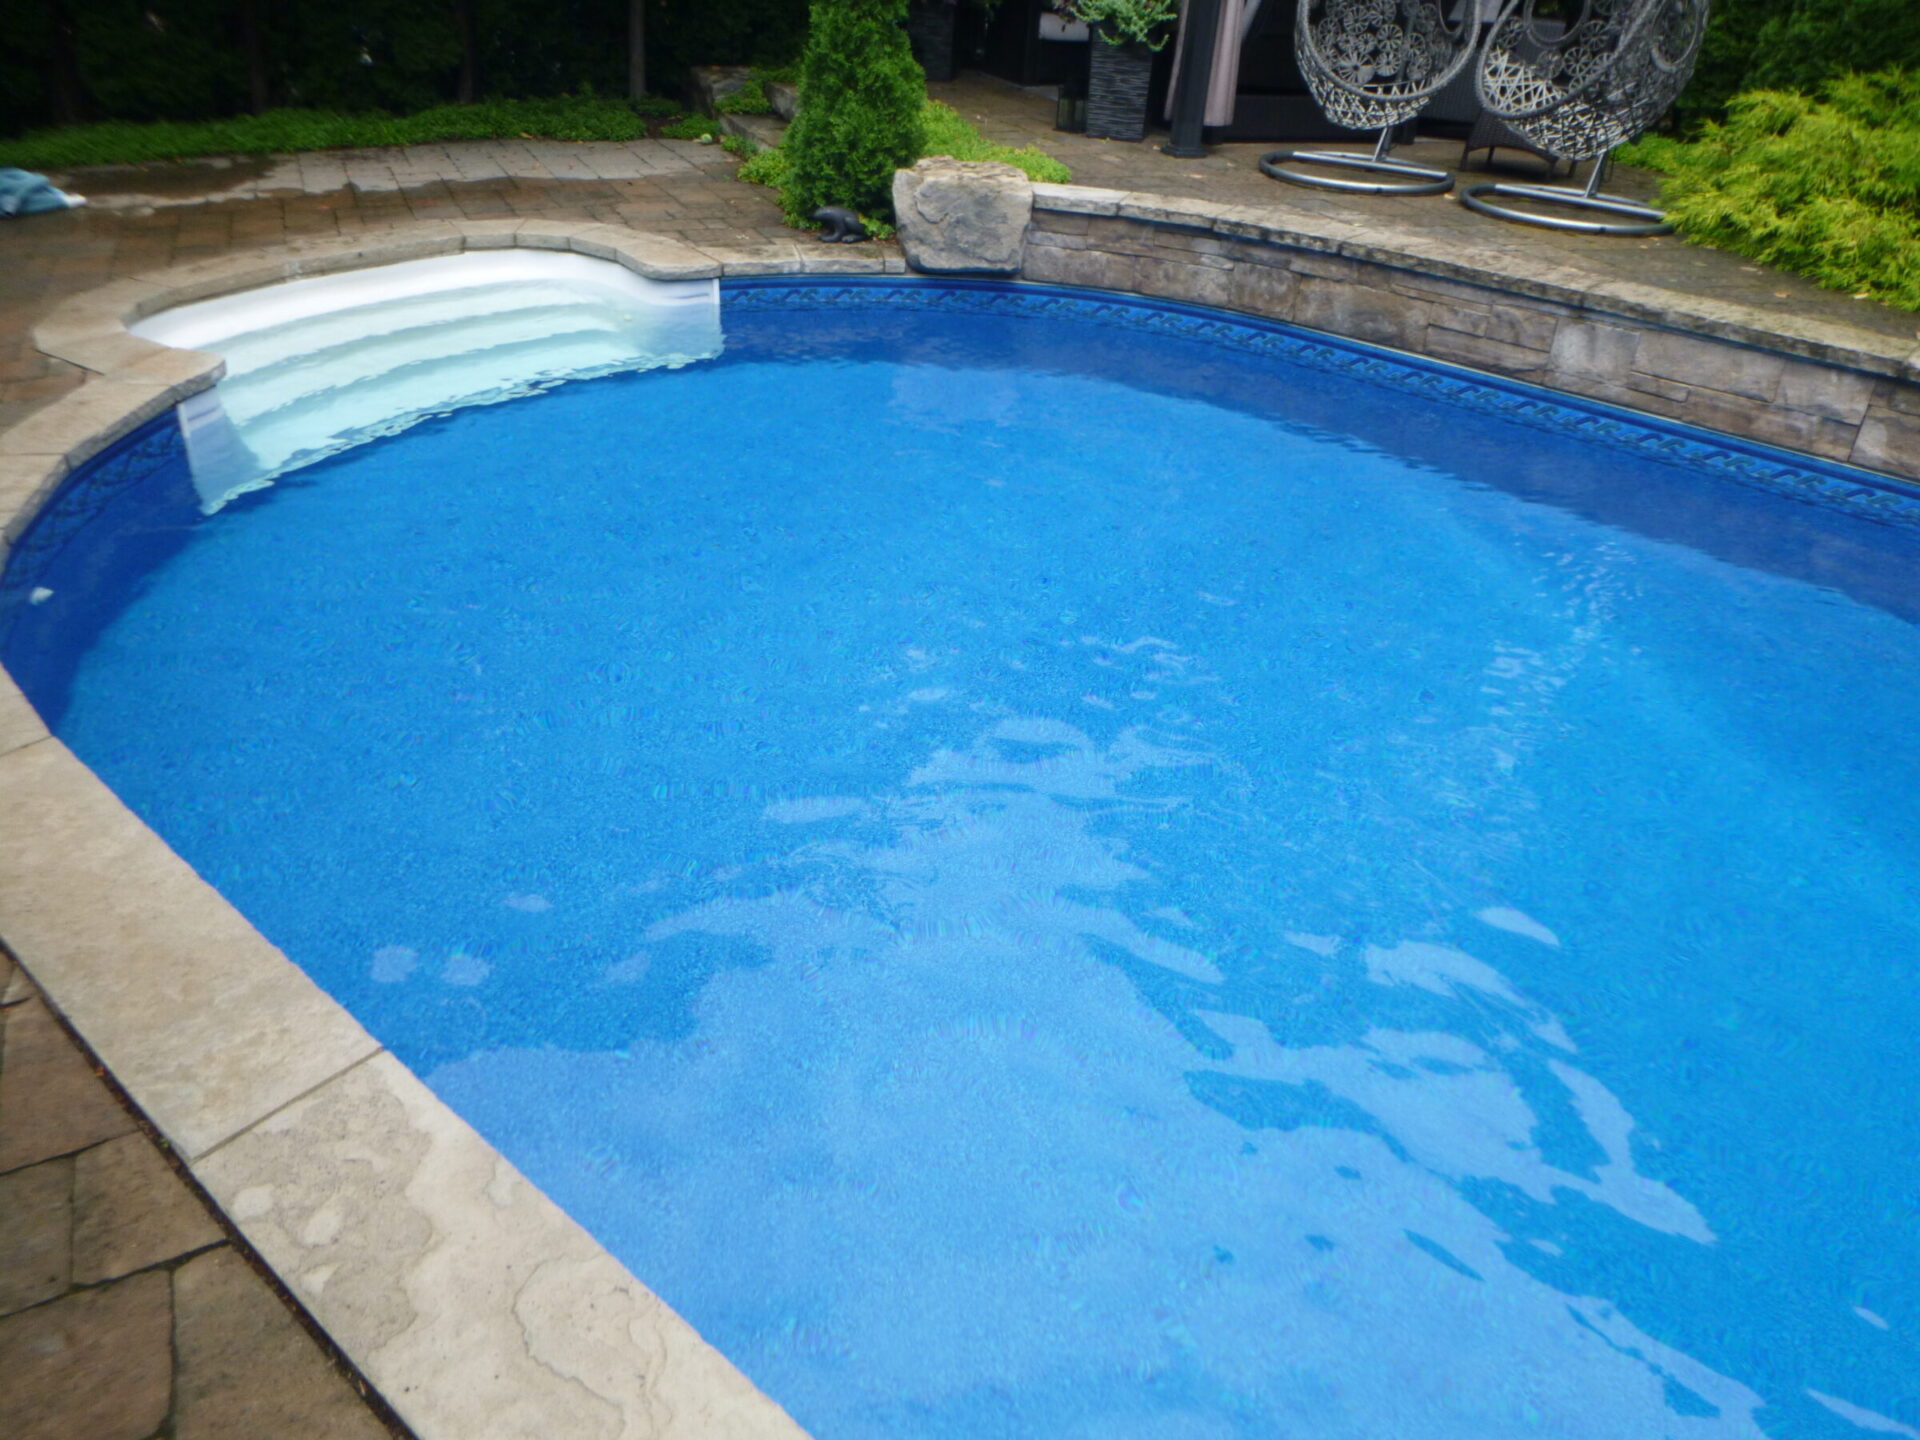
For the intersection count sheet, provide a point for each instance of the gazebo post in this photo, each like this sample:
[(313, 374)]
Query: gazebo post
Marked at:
[(1194, 80)]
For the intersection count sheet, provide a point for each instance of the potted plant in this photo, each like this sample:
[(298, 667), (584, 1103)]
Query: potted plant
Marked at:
[(1126, 33)]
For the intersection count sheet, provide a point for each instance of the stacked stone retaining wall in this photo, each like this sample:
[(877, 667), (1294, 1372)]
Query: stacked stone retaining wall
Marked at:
[(1842, 394)]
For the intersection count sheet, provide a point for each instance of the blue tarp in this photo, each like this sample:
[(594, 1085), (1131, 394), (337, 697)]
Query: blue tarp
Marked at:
[(24, 193)]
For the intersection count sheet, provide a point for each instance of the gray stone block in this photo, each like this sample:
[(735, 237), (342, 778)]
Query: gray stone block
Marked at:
[(1824, 391), (1174, 279), (1889, 441), (1330, 267), (1797, 430), (1521, 323), (1079, 199), (1654, 385), (1055, 223), (1709, 364), (1360, 312), (1900, 395), (957, 217), (1587, 350), (1263, 290), (1051, 266), (1483, 353)]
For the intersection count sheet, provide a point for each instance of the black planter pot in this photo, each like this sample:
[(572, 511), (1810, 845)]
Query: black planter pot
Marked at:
[(1117, 80), (930, 26)]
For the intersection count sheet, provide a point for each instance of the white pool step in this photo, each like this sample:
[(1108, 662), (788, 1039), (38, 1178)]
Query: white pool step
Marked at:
[(315, 366)]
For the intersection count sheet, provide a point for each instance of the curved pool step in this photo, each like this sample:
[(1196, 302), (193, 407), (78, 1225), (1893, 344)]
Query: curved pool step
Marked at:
[(315, 366), (290, 420)]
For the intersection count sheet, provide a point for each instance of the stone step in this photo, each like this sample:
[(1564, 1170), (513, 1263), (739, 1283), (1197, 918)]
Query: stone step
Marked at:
[(765, 130)]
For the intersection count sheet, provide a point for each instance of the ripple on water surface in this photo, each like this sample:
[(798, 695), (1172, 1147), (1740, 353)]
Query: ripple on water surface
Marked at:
[(1040, 880)]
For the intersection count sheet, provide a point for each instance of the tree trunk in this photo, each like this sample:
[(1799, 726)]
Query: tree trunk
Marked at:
[(469, 52), (257, 96), (636, 47), (65, 88)]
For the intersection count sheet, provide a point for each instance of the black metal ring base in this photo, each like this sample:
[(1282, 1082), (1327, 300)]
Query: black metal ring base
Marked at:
[(1640, 219), (1419, 179)]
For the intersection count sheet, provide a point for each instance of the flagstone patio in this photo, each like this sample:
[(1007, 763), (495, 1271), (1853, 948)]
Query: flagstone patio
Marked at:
[(126, 1311)]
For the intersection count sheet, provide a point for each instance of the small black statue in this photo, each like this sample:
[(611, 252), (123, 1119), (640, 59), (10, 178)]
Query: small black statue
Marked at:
[(837, 224)]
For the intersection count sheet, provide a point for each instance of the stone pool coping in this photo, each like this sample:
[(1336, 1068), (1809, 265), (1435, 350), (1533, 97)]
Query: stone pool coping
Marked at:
[(466, 1297)]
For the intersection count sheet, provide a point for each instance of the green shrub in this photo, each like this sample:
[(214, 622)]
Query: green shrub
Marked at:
[(692, 127), (749, 99), (742, 145), (283, 131), (1829, 188), (945, 131), (769, 167), (861, 119)]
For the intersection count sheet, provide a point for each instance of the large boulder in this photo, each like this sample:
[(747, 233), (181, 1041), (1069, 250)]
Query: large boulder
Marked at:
[(962, 217)]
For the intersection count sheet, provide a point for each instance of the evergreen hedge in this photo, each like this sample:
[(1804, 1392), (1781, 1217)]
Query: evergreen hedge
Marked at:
[(278, 132), (1829, 188), (187, 60), (1796, 45), (860, 120)]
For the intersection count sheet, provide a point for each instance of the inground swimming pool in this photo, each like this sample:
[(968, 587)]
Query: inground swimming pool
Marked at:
[(1041, 864)]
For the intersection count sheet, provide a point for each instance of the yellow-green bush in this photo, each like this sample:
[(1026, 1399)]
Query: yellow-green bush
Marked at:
[(1827, 187), (945, 131)]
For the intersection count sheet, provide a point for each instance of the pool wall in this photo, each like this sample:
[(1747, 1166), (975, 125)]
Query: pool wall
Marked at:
[(461, 1293), (1836, 392)]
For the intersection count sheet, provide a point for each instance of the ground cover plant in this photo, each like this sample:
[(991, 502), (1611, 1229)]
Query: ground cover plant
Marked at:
[(945, 131), (749, 99), (690, 127), (1826, 187), (115, 142)]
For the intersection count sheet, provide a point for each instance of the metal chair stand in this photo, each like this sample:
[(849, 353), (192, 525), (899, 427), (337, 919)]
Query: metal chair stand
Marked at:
[(1413, 179), (1635, 218)]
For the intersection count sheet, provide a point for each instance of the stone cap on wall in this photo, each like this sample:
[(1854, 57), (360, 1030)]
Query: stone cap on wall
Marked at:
[(1514, 271)]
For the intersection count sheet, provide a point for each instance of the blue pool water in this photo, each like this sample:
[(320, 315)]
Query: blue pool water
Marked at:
[(1036, 872)]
